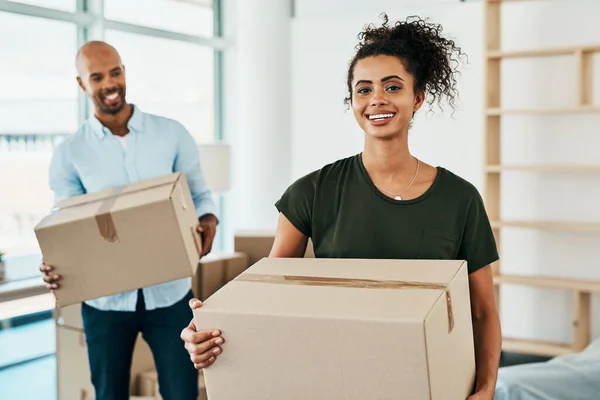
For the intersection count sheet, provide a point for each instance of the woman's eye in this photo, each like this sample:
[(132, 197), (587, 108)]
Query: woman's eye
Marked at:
[(363, 90), (393, 88)]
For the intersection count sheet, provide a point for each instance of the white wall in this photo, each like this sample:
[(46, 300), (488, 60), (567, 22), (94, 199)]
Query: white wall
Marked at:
[(323, 39)]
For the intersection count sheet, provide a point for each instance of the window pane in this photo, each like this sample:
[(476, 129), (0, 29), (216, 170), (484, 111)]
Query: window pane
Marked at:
[(65, 5), (169, 78), (194, 17), (37, 75), (38, 96)]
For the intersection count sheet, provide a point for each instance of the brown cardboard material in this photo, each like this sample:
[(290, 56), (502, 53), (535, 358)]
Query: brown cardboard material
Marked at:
[(148, 385), (342, 328), (72, 366), (73, 370), (121, 239), (258, 244), (215, 270), (69, 316), (235, 265)]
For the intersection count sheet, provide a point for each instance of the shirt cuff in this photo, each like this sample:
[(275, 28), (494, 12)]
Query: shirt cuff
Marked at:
[(207, 208)]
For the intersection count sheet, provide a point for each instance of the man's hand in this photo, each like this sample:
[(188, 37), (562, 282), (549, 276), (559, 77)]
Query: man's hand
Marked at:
[(50, 278), (207, 229)]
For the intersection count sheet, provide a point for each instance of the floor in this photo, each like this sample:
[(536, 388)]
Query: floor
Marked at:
[(28, 365)]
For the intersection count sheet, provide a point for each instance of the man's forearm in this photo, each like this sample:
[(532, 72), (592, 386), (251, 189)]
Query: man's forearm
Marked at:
[(488, 345)]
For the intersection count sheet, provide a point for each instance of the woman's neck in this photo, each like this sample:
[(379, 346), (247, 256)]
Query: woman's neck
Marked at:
[(388, 158)]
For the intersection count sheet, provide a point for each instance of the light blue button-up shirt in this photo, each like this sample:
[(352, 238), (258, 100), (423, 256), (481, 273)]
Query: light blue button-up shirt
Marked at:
[(93, 159)]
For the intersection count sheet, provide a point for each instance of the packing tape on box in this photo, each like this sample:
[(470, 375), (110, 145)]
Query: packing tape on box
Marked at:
[(351, 283), (104, 220)]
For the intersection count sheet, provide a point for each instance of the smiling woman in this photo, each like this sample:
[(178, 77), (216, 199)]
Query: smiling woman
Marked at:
[(384, 202)]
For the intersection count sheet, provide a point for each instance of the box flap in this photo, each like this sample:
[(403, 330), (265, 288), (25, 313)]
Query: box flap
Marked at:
[(393, 303), (167, 180), (100, 204)]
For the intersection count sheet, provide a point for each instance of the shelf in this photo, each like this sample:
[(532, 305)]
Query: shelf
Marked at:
[(559, 51), (496, 168), (550, 225), (538, 111), (27, 306), (13, 290), (580, 285), (535, 347)]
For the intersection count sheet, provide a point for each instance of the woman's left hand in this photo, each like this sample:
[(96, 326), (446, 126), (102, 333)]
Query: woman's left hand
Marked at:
[(482, 395)]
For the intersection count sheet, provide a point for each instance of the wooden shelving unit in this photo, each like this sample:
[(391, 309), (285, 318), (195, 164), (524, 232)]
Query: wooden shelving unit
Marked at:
[(493, 169)]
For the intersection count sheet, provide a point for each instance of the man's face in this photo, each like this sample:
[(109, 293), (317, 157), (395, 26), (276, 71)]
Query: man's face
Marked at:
[(102, 77)]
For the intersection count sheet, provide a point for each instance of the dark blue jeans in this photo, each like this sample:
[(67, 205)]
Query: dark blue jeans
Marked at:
[(111, 336)]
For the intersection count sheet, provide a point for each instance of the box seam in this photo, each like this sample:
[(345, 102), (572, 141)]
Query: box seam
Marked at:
[(427, 355)]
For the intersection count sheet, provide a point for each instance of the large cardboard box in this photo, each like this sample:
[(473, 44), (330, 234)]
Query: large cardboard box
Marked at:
[(258, 244), (73, 369), (299, 329), (121, 239), (69, 316), (148, 385), (215, 270)]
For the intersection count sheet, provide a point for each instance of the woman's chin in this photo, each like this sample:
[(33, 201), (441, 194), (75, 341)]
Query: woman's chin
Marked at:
[(383, 134)]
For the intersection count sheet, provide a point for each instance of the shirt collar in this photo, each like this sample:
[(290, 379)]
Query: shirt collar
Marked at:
[(135, 123)]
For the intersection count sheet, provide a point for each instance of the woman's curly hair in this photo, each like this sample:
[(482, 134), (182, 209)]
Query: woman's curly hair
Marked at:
[(429, 57)]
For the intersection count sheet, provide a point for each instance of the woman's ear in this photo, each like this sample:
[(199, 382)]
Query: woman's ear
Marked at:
[(419, 99)]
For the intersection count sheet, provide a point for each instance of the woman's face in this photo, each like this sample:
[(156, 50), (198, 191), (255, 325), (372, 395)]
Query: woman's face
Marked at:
[(383, 97)]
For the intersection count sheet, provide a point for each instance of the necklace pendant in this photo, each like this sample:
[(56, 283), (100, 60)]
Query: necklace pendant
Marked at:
[(397, 198)]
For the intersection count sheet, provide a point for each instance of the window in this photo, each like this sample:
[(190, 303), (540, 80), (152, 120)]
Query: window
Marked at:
[(64, 5), (38, 100), (194, 17), (39, 87), (169, 78)]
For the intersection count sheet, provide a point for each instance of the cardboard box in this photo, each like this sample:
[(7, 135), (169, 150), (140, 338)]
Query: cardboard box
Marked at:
[(69, 316), (215, 270), (299, 329), (148, 384), (73, 369), (258, 244), (121, 239)]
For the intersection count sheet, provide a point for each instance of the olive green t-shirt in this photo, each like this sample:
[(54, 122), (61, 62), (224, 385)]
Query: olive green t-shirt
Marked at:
[(346, 216)]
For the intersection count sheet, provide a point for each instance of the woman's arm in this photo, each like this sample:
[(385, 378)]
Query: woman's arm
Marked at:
[(289, 241), (486, 331)]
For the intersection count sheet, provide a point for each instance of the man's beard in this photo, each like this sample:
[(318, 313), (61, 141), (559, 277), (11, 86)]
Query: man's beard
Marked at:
[(111, 109)]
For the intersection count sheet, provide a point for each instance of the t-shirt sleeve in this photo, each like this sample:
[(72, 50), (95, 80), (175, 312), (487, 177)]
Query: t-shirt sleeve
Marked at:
[(297, 201), (478, 246)]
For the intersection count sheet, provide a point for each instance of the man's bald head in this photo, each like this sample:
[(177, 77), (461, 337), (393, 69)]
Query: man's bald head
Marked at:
[(102, 76), (92, 52)]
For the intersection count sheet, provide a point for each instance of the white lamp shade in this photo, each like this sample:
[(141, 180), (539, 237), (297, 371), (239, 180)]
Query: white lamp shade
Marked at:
[(215, 161)]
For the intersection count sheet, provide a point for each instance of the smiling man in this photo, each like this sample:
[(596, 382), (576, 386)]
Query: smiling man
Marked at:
[(118, 145)]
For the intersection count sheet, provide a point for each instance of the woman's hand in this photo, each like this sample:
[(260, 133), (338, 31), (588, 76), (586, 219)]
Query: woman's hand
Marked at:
[(204, 346), (483, 394)]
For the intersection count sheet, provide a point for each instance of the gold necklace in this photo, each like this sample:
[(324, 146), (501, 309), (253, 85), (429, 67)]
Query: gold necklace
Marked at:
[(397, 196)]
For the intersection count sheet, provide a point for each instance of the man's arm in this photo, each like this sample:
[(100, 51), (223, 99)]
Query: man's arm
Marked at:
[(486, 331), (64, 182), (64, 179), (187, 161)]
